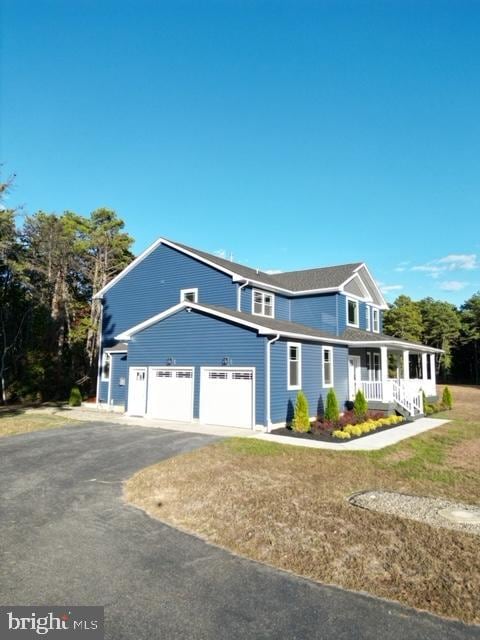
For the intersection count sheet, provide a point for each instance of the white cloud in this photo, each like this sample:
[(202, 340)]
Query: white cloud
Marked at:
[(386, 288), (400, 269), (451, 262), (452, 285)]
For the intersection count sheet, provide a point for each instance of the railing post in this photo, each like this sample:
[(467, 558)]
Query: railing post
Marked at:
[(406, 364), (384, 371)]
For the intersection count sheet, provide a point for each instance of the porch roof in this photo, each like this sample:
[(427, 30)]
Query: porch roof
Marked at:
[(360, 338)]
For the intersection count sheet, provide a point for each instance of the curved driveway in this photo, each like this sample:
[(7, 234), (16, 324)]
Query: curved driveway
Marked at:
[(66, 537)]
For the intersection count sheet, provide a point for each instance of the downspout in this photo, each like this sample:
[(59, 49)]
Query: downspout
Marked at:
[(99, 363), (239, 295), (267, 381)]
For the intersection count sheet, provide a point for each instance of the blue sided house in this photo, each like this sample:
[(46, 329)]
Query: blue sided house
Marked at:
[(189, 336)]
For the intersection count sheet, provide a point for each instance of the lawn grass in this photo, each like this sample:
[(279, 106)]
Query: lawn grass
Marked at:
[(287, 506), (19, 421)]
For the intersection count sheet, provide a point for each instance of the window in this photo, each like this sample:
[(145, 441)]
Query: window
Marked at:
[(262, 303), (189, 295), (429, 367), (352, 312), (369, 366), (376, 321), (294, 364), (105, 366), (376, 366), (368, 311), (327, 359)]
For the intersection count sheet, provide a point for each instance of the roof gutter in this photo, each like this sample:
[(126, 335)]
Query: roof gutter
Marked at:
[(268, 421), (239, 295)]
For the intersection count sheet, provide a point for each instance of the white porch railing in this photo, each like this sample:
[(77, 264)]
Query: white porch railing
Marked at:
[(407, 393)]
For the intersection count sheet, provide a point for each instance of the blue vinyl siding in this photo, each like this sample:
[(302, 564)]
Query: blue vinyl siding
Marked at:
[(154, 285), (318, 311), (283, 400), (119, 369), (282, 303), (196, 339)]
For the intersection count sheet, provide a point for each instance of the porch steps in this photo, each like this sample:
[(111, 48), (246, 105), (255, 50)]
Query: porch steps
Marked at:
[(405, 412)]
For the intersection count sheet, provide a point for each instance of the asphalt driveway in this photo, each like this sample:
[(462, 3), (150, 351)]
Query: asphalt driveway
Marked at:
[(67, 538)]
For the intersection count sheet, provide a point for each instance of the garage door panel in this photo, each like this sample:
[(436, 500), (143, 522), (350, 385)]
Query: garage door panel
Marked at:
[(227, 396), (170, 393)]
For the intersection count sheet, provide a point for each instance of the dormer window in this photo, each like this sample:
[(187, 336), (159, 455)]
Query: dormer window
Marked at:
[(189, 295), (352, 312), (263, 303)]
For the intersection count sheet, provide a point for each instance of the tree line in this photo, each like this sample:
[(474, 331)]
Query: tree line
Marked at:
[(51, 265), (441, 324)]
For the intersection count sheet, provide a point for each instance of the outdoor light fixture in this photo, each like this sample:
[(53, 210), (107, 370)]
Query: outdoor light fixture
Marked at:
[(170, 361), (226, 360)]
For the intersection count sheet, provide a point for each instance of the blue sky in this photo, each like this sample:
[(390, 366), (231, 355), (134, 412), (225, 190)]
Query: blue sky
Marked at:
[(289, 134)]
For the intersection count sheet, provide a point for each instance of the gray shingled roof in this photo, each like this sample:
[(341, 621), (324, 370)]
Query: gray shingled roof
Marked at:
[(358, 335), (120, 346), (304, 280)]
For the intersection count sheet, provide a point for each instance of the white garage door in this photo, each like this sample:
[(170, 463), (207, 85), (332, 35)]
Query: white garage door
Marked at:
[(227, 396), (170, 393), (137, 390)]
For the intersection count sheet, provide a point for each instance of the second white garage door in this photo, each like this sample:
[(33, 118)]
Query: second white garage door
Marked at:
[(170, 393), (227, 396)]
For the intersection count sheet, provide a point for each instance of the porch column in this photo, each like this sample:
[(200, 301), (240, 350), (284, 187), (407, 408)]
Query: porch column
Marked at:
[(433, 381), (383, 364), (406, 365), (424, 370)]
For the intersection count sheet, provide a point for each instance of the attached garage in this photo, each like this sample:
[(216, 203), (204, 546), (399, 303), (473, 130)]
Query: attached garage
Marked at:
[(170, 393), (227, 396)]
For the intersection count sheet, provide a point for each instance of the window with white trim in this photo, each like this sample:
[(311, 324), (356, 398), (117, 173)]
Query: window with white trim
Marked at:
[(368, 311), (105, 366), (294, 365), (376, 367), (369, 366), (327, 362), (352, 312), (262, 303), (376, 320), (188, 295)]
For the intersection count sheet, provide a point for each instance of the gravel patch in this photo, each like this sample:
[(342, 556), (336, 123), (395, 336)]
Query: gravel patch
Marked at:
[(434, 511)]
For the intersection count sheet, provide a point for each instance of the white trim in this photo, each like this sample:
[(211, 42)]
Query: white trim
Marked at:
[(106, 355), (298, 386), (99, 356), (368, 317), (356, 300), (369, 358), (263, 294), (366, 295), (184, 292), (376, 312), (268, 408), (263, 331), (331, 383), (114, 351), (239, 294), (235, 276), (377, 366), (384, 304), (110, 380)]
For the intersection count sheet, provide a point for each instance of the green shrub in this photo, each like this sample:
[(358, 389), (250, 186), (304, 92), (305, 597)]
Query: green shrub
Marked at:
[(75, 399), (301, 416), (360, 406), (447, 399), (332, 411)]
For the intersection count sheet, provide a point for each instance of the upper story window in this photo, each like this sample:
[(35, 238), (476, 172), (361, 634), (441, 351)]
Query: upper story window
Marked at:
[(263, 303), (294, 365), (327, 359), (105, 366), (368, 324), (188, 295), (376, 320), (352, 312)]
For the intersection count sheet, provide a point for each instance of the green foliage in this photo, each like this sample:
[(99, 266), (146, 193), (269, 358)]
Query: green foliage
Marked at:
[(404, 320), (75, 399), (332, 411), (360, 406), (301, 416), (447, 399)]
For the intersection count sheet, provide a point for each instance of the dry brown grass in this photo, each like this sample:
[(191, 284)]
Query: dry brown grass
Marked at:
[(287, 506), (20, 421)]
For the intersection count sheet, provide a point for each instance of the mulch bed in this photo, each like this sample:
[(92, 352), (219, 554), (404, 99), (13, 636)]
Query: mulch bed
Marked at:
[(325, 436)]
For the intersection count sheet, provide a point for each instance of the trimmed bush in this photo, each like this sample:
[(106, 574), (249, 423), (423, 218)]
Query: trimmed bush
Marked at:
[(447, 399), (332, 411), (301, 416), (341, 435), (75, 399), (360, 406)]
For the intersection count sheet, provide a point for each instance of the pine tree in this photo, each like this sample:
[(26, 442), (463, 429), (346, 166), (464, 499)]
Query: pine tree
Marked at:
[(301, 416), (447, 399), (75, 399), (404, 320), (360, 406)]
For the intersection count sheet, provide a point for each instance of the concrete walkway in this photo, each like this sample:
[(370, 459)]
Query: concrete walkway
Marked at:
[(371, 443)]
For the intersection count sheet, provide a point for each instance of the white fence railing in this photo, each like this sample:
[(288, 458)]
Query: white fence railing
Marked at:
[(407, 393)]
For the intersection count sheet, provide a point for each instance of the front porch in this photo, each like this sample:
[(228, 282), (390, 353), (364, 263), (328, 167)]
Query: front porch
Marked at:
[(392, 377)]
